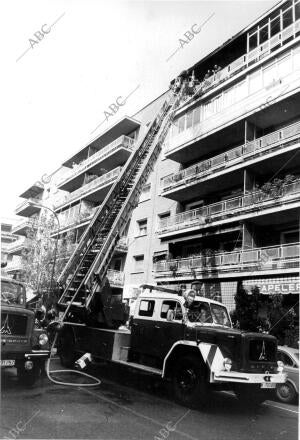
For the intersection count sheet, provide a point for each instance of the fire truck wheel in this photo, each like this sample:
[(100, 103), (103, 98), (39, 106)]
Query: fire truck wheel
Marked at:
[(189, 386), (28, 377), (251, 396), (285, 392), (66, 350)]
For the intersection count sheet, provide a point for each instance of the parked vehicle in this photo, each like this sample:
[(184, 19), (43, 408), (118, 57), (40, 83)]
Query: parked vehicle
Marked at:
[(187, 340), (288, 391), (24, 343)]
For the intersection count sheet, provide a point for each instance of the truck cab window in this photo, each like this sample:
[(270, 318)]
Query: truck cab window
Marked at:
[(146, 308), (174, 306)]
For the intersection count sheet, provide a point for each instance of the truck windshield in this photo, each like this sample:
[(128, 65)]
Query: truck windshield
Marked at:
[(204, 312), (12, 293)]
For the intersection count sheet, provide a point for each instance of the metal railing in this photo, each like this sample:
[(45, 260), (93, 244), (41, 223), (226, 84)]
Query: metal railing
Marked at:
[(249, 58), (77, 219), (94, 184), (27, 223), (27, 202), (18, 245), (233, 156), (122, 141), (273, 257), (115, 277), (223, 208)]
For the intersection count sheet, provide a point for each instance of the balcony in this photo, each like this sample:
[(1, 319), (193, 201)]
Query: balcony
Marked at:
[(176, 185), (258, 98), (22, 227), (75, 221), (225, 264), (14, 266), (257, 202), (25, 209), (115, 277), (17, 247), (113, 155), (249, 58), (122, 246), (93, 191)]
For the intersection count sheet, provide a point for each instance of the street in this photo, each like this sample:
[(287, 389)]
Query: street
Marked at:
[(131, 406)]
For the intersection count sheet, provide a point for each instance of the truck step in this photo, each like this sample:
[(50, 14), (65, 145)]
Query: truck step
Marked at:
[(141, 367)]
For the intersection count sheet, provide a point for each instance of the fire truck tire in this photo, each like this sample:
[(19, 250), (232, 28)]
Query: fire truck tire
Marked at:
[(285, 392), (189, 385), (251, 395), (66, 349), (29, 377)]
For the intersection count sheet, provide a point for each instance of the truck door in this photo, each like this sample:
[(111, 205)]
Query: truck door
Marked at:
[(169, 328), (142, 328)]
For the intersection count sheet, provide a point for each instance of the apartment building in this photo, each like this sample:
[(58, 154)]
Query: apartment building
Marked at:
[(222, 202), (236, 193)]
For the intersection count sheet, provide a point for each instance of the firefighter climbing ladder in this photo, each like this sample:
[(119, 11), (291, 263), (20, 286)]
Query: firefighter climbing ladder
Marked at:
[(87, 267)]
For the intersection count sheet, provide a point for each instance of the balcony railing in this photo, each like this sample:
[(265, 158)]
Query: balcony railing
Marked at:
[(85, 189), (115, 277), (14, 265), (274, 257), (122, 244), (27, 223), (122, 141), (249, 150), (27, 202), (76, 219), (249, 58), (18, 245), (229, 207)]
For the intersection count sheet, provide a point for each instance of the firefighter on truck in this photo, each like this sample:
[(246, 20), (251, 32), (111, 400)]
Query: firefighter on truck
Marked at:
[(186, 339)]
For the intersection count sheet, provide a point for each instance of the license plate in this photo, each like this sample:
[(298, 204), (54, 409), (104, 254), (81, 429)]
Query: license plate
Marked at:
[(268, 385), (7, 362)]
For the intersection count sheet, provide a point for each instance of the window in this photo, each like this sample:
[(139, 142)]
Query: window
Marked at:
[(253, 41), (287, 18), (285, 359), (264, 34), (163, 219), (139, 263), (145, 194), (174, 306), (146, 308), (275, 26), (290, 236), (297, 11), (142, 227)]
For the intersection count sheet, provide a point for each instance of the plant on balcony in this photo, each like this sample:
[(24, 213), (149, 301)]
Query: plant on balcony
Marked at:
[(173, 268), (275, 187)]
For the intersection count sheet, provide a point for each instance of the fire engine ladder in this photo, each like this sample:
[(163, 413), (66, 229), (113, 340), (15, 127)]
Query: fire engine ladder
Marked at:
[(85, 271)]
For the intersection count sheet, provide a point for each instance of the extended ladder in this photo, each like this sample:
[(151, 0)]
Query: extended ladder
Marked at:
[(87, 267)]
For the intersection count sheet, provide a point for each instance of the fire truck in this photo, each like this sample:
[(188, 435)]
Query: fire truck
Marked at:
[(24, 343), (186, 339)]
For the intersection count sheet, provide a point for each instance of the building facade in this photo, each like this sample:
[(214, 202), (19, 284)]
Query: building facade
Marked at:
[(221, 205)]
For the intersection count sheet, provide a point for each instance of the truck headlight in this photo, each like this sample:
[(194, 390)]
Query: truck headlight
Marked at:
[(280, 366), (227, 364), (43, 339)]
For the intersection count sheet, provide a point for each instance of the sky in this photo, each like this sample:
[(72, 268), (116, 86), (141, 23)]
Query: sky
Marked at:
[(57, 84)]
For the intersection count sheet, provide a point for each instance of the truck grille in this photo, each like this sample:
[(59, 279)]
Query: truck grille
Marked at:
[(261, 350), (13, 324)]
